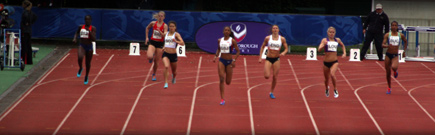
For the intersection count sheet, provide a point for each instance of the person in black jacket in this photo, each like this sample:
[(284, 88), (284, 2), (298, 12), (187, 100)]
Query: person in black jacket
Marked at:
[(376, 22), (27, 19)]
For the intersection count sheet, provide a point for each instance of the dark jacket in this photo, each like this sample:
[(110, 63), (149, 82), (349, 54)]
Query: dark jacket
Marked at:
[(27, 19), (376, 22)]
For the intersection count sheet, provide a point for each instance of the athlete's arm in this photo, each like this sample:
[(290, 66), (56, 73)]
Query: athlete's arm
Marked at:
[(342, 47), (322, 44), (179, 40), (75, 35), (217, 51), (284, 43), (262, 47), (384, 42)]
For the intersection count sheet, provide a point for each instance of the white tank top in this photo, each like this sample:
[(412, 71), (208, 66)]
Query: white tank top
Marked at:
[(274, 44), (225, 45), (169, 43), (394, 40)]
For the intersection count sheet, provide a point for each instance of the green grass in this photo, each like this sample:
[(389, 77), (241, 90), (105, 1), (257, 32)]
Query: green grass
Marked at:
[(8, 76)]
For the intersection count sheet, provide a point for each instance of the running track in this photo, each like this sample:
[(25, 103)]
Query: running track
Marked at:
[(121, 99)]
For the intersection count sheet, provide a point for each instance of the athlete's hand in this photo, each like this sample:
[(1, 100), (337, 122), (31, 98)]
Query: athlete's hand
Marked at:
[(214, 60), (233, 64), (282, 54), (75, 40), (384, 46), (146, 41), (344, 55), (259, 60)]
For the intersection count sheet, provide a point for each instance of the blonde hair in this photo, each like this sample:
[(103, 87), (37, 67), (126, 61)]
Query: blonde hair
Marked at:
[(330, 27), (156, 15)]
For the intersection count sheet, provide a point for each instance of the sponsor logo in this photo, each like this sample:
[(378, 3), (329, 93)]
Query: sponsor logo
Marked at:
[(239, 30)]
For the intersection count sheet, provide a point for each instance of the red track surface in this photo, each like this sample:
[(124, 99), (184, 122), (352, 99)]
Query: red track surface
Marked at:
[(121, 99)]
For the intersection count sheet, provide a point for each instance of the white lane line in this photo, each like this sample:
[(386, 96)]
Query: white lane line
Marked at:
[(148, 75), (428, 68), (81, 97), (392, 77), (28, 92), (189, 124), (99, 73), (418, 103), (308, 108), (197, 73), (294, 73), (365, 108), (246, 73), (134, 107), (347, 81)]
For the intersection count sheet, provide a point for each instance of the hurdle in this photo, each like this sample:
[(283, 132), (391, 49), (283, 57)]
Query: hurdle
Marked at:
[(417, 30)]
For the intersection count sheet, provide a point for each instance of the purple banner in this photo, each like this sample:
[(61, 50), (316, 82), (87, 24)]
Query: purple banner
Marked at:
[(249, 36)]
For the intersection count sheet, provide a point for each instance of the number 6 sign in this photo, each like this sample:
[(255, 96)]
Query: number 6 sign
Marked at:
[(181, 51)]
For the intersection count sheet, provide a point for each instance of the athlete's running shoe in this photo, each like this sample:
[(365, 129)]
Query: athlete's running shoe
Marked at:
[(173, 80), (327, 92), (335, 94), (389, 91), (396, 74), (166, 85), (154, 78), (86, 80), (222, 102), (271, 96), (80, 72)]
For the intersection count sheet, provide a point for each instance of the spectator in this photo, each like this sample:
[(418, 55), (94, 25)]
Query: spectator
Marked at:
[(376, 22), (27, 19)]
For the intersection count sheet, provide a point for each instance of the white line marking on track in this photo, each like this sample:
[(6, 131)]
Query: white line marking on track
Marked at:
[(246, 74), (134, 107), (148, 75), (294, 73), (347, 81), (81, 97), (189, 124), (365, 108), (418, 103), (197, 73), (392, 77), (99, 73), (428, 68), (308, 108), (28, 92)]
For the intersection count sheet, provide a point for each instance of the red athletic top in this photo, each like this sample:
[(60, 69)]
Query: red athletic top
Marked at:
[(84, 33), (156, 34)]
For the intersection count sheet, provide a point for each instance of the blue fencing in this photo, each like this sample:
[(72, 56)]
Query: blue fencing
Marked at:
[(130, 24)]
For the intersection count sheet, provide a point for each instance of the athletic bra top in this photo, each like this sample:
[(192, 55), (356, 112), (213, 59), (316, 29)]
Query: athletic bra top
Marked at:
[(394, 40), (274, 44), (156, 34), (331, 46), (226, 45), (169, 42), (85, 33)]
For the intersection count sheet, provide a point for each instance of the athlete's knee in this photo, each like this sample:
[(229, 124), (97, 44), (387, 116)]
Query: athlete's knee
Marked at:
[(228, 82), (221, 79), (266, 76)]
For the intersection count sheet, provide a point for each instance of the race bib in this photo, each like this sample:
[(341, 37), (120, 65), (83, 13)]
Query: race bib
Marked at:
[(84, 33)]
